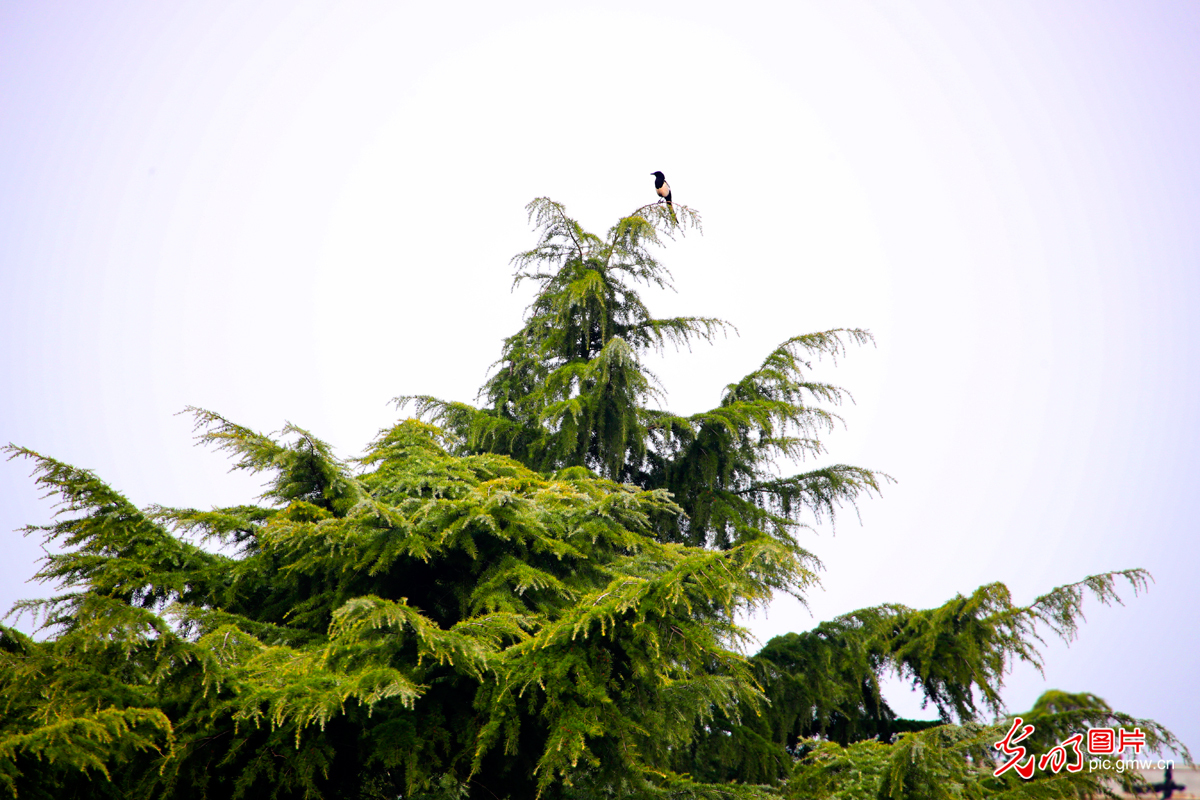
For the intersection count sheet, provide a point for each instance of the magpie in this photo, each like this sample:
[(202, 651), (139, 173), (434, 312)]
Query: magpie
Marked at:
[(664, 190)]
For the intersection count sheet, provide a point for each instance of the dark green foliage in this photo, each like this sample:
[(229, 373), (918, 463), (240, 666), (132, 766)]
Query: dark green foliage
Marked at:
[(570, 389), (823, 684), (534, 598)]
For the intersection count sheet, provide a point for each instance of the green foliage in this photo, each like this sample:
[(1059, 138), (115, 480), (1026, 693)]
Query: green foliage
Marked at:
[(571, 389), (429, 615), (534, 598), (823, 685), (955, 762)]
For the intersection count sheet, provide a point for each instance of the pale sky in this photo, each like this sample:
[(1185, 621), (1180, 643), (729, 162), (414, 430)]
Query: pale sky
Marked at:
[(288, 211)]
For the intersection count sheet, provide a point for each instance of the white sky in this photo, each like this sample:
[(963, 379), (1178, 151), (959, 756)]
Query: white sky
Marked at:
[(297, 211)]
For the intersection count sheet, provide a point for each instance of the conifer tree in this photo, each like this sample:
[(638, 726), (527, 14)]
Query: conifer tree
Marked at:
[(536, 597), (571, 389)]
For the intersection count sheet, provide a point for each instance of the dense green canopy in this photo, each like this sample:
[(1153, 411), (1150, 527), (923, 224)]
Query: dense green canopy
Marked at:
[(536, 597)]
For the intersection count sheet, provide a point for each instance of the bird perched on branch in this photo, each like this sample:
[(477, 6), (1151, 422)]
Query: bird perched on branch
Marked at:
[(664, 191)]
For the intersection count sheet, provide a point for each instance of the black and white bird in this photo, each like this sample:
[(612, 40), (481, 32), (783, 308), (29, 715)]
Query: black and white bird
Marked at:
[(664, 190)]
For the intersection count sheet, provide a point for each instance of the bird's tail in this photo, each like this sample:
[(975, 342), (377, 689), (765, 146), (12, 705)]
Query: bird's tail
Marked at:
[(671, 208)]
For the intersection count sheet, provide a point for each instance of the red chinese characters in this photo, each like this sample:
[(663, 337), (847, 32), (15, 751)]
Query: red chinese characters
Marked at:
[(1010, 747), (1134, 738), (1102, 741), (1056, 759)]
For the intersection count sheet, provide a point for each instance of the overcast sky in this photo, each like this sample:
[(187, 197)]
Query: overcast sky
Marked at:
[(289, 211)]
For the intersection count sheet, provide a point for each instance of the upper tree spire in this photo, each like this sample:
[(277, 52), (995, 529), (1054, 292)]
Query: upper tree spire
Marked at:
[(571, 389)]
